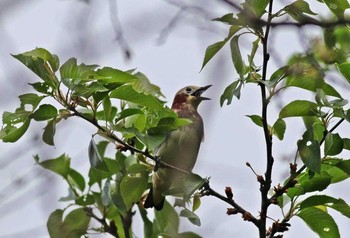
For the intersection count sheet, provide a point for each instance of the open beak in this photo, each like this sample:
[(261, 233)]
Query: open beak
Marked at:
[(199, 92)]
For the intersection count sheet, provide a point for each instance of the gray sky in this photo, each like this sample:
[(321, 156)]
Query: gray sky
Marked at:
[(171, 60)]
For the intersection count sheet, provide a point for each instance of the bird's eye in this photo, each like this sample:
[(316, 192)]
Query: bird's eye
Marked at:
[(188, 89)]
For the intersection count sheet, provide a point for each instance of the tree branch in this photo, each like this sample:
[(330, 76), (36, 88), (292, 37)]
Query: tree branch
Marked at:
[(208, 191)]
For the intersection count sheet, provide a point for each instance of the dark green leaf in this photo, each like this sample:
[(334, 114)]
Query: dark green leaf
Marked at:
[(305, 184), (54, 224), (71, 70), (333, 144), (299, 108), (236, 56), (279, 128), (49, 132), (129, 94), (76, 180), (188, 235), (106, 198), (196, 202), (278, 75), (320, 222), (42, 87), (309, 151), (134, 184), (75, 224), (143, 85), (256, 119), (330, 166), (44, 113), (234, 89), (227, 18)]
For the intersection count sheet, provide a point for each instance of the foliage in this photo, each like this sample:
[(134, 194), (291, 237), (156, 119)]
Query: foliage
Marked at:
[(127, 111)]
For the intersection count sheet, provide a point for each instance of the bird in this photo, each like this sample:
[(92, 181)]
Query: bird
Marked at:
[(180, 147)]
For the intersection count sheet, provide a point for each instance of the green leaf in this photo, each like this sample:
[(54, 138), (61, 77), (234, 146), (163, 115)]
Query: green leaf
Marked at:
[(188, 235), (30, 99), (300, 6), (338, 7), (305, 184), (192, 183), (12, 133), (256, 119), (143, 85), (191, 216), (76, 180), (106, 198), (278, 75), (54, 224), (234, 89), (311, 83), (211, 51), (95, 158), (309, 151), (336, 204), (59, 165), (299, 108), (236, 56), (331, 167), (196, 202), (134, 184), (227, 18), (279, 128), (129, 94), (42, 63), (44, 113), (109, 75), (333, 144), (49, 132), (75, 224), (320, 222), (166, 221), (344, 69), (71, 70), (42, 87)]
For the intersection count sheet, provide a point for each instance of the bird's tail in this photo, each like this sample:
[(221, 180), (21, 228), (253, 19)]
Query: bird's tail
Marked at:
[(154, 200)]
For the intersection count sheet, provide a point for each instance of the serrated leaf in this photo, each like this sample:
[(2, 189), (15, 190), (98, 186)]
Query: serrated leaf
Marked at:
[(134, 184), (320, 222), (309, 151), (143, 85), (49, 133), (333, 144), (299, 108)]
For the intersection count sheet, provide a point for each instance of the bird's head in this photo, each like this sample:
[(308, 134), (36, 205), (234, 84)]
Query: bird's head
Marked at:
[(190, 96)]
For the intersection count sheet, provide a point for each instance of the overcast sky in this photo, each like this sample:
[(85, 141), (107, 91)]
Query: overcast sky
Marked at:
[(171, 58)]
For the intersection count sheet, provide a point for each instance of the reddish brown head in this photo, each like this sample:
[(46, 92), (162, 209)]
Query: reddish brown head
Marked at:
[(189, 97)]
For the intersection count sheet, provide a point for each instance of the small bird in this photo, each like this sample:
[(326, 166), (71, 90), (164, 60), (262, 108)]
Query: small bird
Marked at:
[(180, 148)]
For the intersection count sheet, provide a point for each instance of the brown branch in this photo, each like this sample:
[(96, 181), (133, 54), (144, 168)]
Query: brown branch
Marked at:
[(109, 228), (208, 191)]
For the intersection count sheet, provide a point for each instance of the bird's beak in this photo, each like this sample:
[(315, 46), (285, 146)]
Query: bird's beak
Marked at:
[(199, 92)]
